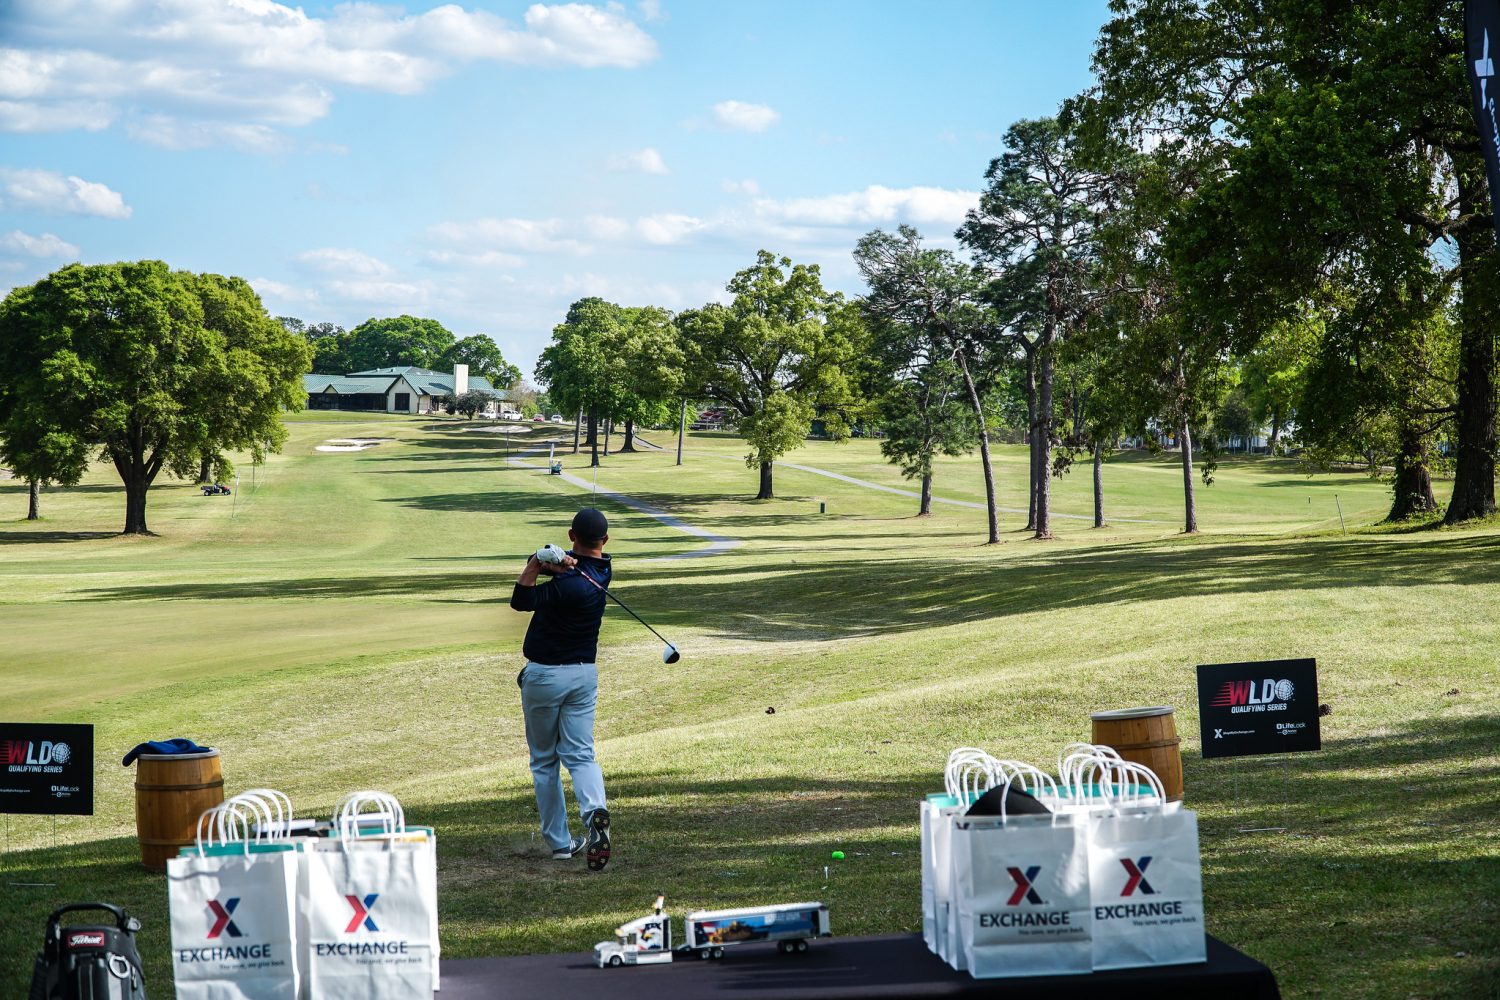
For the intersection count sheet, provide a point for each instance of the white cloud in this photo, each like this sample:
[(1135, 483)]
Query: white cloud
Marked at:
[(646, 161), (484, 259), (49, 191), (746, 186), (336, 260), (45, 245), (524, 235), (174, 133), (651, 10), (266, 288), (875, 204), (743, 117), (666, 229), (75, 64)]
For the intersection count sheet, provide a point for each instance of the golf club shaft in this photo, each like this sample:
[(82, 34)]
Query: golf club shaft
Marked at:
[(622, 604)]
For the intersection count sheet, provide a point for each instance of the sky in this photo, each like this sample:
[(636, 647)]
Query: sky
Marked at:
[(487, 164)]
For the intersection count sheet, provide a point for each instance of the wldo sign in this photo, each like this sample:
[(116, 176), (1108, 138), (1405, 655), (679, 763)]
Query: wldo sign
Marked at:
[(1258, 708)]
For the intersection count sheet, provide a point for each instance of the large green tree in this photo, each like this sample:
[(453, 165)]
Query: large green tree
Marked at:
[(921, 402), (399, 341), (1333, 138), (155, 367), (780, 353), (926, 287), (483, 357), (1033, 232), (647, 353), (575, 367)]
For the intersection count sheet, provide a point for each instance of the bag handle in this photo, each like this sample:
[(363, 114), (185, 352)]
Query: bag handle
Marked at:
[(958, 760), (123, 920), (1032, 779), (350, 811), (280, 805), (1121, 787), (1078, 757), (219, 821), (256, 815)]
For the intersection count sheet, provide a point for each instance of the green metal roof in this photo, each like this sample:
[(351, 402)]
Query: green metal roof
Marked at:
[(424, 381)]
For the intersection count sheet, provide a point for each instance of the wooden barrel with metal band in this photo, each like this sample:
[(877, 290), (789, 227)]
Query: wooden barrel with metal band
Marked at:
[(171, 792), (1146, 736)]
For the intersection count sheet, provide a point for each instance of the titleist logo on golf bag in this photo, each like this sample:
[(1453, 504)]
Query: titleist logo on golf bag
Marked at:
[(91, 962)]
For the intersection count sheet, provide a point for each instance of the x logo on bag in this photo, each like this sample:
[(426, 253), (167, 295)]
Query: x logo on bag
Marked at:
[(1024, 889), (222, 923), (362, 913), (1137, 872)]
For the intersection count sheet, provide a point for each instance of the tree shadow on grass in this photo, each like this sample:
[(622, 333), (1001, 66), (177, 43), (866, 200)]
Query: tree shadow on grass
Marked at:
[(829, 597), (33, 537)]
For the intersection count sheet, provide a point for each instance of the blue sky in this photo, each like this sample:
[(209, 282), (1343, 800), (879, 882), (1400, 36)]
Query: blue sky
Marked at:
[(487, 164)]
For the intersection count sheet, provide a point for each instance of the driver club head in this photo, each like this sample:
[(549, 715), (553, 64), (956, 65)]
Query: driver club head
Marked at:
[(670, 654)]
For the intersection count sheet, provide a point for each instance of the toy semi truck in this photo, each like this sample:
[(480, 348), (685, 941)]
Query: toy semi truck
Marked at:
[(707, 933)]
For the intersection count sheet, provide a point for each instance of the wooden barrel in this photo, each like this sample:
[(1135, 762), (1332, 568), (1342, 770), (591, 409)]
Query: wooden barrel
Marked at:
[(171, 792), (1146, 736)]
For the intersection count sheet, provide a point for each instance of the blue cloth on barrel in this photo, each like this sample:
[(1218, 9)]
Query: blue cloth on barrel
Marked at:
[(163, 746)]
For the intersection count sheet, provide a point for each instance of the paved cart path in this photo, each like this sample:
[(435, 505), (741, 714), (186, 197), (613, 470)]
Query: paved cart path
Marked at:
[(717, 544), (953, 503)]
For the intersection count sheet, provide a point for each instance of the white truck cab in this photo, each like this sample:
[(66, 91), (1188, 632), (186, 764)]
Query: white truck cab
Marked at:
[(646, 941)]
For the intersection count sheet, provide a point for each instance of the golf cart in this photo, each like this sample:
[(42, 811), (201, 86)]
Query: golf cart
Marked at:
[(215, 490)]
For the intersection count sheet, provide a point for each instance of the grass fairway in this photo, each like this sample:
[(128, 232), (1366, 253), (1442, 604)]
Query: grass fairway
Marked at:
[(346, 627)]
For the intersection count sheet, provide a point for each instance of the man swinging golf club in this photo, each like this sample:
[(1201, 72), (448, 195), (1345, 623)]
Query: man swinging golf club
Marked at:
[(560, 685)]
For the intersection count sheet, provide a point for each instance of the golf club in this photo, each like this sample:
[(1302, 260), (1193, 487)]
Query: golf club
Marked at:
[(553, 554)]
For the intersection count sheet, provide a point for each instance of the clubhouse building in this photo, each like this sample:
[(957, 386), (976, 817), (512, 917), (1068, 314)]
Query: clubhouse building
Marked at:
[(393, 390)]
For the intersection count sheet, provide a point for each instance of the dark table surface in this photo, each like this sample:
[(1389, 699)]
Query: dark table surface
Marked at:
[(890, 966)]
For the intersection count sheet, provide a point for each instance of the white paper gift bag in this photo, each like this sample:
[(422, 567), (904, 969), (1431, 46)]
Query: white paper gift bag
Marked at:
[(1146, 881), (1021, 892), (233, 903), (370, 907), (389, 822), (369, 930)]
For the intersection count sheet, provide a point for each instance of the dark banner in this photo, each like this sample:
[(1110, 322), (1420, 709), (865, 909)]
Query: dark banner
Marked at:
[(1254, 708), (1481, 26), (46, 769)]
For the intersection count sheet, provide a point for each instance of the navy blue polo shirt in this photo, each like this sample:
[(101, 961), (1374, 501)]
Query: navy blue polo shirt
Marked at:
[(567, 610)]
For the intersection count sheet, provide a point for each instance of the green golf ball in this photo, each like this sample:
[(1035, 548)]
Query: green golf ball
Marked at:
[(838, 855)]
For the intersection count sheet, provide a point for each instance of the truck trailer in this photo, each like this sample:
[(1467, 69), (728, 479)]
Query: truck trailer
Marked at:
[(707, 933)]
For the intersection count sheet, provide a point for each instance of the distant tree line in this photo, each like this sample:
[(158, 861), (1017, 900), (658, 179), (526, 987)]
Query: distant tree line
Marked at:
[(399, 342)]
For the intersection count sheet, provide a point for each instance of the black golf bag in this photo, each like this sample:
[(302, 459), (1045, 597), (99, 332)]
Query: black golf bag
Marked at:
[(89, 962)]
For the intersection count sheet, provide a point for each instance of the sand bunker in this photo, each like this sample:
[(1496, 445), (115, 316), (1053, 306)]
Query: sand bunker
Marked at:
[(352, 444), (499, 429)]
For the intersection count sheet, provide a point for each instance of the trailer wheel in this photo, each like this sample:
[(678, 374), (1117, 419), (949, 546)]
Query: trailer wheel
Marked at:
[(616, 961), (801, 945), (718, 953), (785, 947), (705, 953)]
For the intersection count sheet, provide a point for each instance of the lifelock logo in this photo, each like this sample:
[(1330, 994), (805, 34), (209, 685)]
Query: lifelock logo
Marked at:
[(1484, 69)]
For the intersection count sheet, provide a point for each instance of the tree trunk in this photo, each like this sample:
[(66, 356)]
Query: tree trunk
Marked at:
[(609, 425), (593, 436), (1275, 430), (34, 503), (629, 444), (1190, 503), (766, 493), (205, 470), (135, 504), (1031, 440), (1098, 485), (577, 430), (1042, 430), (1413, 481), (984, 450), (926, 508), (681, 430), (1474, 470)]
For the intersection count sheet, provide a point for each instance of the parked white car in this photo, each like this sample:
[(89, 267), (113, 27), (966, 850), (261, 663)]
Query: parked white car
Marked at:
[(557, 418), (510, 414)]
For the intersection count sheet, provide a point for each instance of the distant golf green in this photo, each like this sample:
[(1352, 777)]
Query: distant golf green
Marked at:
[(341, 623)]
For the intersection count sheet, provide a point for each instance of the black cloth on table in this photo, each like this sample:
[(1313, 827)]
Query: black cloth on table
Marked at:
[(888, 967)]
